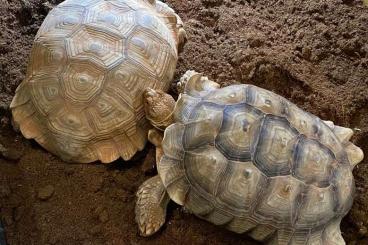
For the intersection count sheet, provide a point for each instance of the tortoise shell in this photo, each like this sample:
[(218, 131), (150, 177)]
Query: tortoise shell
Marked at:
[(250, 160), (91, 60)]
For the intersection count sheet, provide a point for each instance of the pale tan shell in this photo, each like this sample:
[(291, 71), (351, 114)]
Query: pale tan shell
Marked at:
[(251, 161), (90, 63)]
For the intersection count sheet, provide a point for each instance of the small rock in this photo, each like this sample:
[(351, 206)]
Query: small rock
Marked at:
[(95, 230), (363, 231), (103, 216), (46, 192), (4, 121), (10, 154), (4, 191), (18, 213)]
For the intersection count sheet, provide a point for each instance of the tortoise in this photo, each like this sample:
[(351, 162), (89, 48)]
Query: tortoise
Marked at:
[(90, 63), (249, 160)]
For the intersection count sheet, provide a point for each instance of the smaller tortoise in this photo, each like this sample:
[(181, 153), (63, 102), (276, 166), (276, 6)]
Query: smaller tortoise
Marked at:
[(90, 63), (249, 160)]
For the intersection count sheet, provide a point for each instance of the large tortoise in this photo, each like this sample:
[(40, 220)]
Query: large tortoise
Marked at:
[(90, 63), (249, 160)]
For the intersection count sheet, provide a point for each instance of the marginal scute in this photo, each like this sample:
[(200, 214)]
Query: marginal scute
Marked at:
[(173, 141), (83, 3), (354, 153), (343, 181), (344, 134), (171, 170), (184, 107), (241, 225), (197, 204), (219, 217), (262, 232), (90, 63)]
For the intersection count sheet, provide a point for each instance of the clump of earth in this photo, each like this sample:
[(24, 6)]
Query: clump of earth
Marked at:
[(314, 53)]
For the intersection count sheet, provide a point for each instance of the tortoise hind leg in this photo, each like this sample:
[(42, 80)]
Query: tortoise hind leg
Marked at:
[(193, 83), (150, 209)]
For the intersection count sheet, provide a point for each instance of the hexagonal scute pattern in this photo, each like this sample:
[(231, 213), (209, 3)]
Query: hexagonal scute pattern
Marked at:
[(279, 203), (72, 125), (110, 114), (46, 56), (204, 167), (82, 81), (241, 186), (317, 207), (265, 100), (100, 46), (94, 58), (119, 19), (262, 175), (272, 150), (234, 137), (61, 22), (312, 162), (46, 93), (150, 52)]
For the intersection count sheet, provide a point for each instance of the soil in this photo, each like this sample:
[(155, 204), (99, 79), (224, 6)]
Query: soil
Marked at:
[(313, 52)]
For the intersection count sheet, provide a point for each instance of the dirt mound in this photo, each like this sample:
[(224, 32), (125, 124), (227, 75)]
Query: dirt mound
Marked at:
[(314, 53)]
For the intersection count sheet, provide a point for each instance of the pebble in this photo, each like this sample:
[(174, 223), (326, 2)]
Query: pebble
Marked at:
[(103, 216), (10, 154), (363, 231), (46, 192), (95, 230)]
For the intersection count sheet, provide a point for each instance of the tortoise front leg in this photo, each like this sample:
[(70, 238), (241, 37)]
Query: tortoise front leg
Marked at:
[(150, 208), (194, 83), (155, 137)]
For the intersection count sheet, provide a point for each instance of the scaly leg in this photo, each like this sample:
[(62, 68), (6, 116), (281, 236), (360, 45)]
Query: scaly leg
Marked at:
[(150, 209)]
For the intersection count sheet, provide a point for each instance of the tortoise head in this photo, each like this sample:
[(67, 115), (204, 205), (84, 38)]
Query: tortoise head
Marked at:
[(159, 107)]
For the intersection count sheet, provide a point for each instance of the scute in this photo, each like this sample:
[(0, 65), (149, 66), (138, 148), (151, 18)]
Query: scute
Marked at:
[(240, 187), (313, 162), (279, 203), (233, 140), (317, 207), (90, 63), (203, 167), (273, 147)]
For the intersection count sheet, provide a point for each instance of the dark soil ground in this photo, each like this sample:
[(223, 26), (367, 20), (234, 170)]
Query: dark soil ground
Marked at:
[(313, 52)]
